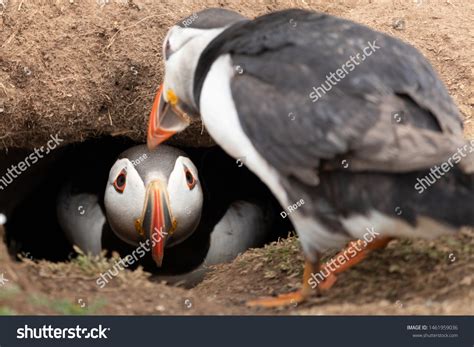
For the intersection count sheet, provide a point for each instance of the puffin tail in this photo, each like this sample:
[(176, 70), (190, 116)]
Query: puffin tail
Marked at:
[(464, 175), (467, 197), (457, 188), (450, 195)]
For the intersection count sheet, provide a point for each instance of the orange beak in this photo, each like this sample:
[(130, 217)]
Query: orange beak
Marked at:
[(166, 119), (158, 222)]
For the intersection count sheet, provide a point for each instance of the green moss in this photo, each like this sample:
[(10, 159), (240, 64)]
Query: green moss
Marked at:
[(5, 311), (67, 307)]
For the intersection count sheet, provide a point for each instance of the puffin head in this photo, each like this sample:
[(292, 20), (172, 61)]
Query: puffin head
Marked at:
[(174, 105), (153, 196)]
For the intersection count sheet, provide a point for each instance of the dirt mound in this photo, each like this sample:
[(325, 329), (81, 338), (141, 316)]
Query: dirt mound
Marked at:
[(90, 68), (406, 278)]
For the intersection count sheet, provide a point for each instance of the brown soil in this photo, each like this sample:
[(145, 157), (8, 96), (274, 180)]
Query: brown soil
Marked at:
[(83, 69), (66, 66), (406, 278)]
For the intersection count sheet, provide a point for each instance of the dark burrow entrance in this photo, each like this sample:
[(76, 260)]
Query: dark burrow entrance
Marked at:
[(30, 200)]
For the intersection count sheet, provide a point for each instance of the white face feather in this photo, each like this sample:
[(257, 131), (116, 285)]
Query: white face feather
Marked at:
[(185, 48), (186, 203), (123, 208)]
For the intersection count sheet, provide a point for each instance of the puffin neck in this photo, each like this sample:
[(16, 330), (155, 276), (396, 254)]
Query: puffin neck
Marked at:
[(212, 51)]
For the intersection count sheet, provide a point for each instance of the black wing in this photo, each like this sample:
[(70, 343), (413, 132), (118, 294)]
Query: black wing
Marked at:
[(390, 112)]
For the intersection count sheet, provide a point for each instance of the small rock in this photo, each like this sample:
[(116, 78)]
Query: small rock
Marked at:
[(399, 24), (270, 274), (467, 281), (394, 268), (160, 308)]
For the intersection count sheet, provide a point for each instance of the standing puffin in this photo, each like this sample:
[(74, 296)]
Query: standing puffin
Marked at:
[(157, 199), (343, 151)]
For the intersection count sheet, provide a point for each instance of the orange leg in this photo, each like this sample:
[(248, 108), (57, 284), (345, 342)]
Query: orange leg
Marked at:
[(292, 298), (361, 250)]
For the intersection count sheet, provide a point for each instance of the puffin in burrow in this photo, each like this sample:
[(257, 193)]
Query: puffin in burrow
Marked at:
[(353, 152), (158, 196)]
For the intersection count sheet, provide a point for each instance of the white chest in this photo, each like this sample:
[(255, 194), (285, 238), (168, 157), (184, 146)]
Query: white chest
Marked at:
[(220, 117)]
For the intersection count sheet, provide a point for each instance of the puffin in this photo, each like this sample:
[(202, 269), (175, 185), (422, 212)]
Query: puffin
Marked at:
[(159, 196), (344, 124)]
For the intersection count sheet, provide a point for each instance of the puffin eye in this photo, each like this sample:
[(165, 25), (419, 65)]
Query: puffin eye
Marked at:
[(121, 181), (190, 180)]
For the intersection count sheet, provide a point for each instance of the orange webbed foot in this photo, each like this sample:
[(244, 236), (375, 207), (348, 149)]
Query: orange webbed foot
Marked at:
[(288, 299)]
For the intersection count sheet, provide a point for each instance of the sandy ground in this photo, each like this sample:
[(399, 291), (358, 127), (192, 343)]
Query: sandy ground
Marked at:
[(84, 70), (407, 278)]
